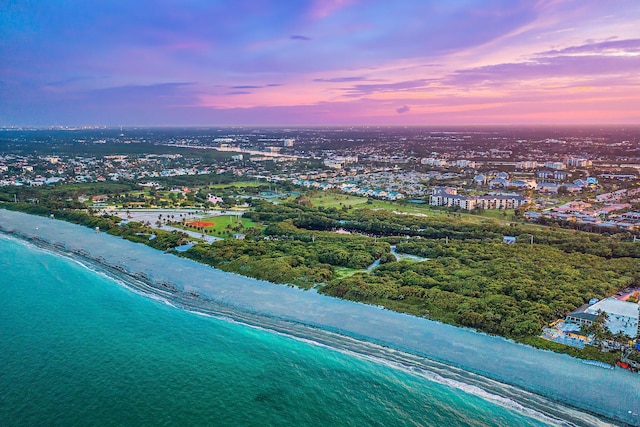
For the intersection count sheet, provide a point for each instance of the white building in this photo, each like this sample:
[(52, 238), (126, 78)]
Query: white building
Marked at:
[(333, 164), (212, 198), (463, 164), (430, 161), (622, 315), (497, 201), (443, 199), (578, 163), (555, 165), (526, 165), (347, 159), (338, 162)]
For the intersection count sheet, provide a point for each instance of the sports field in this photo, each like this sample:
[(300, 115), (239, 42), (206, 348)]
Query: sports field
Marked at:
[(201, 224), (222, 225)]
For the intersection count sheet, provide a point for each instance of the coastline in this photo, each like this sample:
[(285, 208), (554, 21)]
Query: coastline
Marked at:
[(451, 353)]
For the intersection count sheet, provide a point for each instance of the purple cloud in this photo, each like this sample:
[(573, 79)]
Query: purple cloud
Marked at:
[(589, 61), (244, 87), (342, 79), (299, 37), (403, 109), (367, 89), (548, 67), (628, 45)]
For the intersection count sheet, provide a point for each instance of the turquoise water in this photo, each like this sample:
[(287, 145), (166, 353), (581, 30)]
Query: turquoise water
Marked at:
[(77, 348)]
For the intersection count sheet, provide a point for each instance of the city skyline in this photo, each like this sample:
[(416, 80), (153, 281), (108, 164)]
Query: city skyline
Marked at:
[(335, 62)]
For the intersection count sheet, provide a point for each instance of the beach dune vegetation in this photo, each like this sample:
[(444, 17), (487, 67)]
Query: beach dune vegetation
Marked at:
[(470, 278)]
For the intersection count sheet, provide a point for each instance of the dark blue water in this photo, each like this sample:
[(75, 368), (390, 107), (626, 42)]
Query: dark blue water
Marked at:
[(77, 348)]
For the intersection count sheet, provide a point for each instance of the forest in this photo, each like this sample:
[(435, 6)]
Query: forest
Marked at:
[(469, 278), (509, 290)]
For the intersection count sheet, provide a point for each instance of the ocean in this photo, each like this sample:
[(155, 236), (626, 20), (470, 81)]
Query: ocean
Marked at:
[(80, 348)]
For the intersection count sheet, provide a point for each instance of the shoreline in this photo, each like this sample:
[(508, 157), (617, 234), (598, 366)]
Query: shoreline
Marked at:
[(499, 393), (345, 336)]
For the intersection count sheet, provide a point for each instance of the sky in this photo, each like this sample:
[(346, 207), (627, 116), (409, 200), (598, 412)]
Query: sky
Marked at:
[(319, 62)]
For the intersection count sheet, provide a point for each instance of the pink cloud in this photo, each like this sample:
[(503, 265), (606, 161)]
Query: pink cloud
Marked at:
[(322, 8)]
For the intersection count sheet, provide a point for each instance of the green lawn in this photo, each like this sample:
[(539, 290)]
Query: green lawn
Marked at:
[(222, 222), (332, 200), (342, 272), (413, 208), (410, 208), (498, 214), (426, 209)]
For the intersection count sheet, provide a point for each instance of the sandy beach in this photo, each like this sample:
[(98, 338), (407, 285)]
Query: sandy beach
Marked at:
[(499, 367)]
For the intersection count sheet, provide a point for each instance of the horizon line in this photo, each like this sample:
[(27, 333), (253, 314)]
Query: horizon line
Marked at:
[(299, 126)]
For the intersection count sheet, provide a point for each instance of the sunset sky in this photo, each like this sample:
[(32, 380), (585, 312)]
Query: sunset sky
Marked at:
[(331, 62)]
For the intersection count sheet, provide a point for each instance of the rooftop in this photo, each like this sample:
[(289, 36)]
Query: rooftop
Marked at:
[(622, 315), (615, 307)]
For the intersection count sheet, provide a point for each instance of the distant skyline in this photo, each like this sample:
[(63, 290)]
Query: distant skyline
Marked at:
[(331, 62)]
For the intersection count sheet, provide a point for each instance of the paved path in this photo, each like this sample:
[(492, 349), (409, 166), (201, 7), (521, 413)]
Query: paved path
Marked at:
[(193, 234)]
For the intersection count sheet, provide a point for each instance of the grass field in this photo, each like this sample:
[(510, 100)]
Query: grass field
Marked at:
[(412, 208), (342, 272), (333, 200), (501, 214), (426, 209), (221, 224)]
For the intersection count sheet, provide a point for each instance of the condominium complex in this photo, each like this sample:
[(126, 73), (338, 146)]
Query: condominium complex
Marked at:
[(492, 201)]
